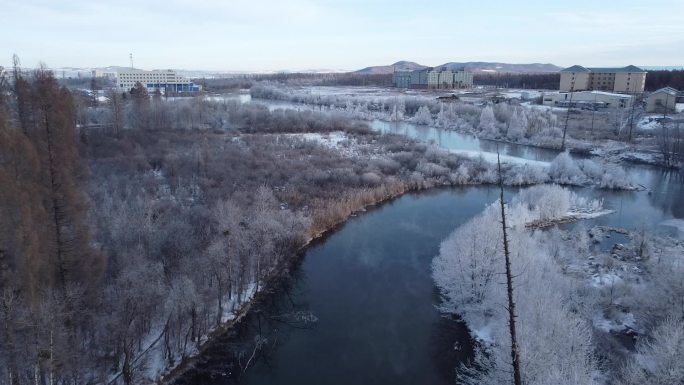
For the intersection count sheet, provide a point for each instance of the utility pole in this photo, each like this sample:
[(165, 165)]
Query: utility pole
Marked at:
[(515, 354), (567, 118), (631, 119), (667, 102), (593, 113)]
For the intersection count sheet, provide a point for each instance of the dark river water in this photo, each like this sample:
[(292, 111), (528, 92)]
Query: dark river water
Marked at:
[(368, 284)]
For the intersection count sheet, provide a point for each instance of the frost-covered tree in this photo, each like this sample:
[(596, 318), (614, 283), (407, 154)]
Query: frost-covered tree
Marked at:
[(423, 116), (468, 263), (659, 360), (488, 123), (545, 201), (465, 271), (517, 125), (398, 110), (564, 169)]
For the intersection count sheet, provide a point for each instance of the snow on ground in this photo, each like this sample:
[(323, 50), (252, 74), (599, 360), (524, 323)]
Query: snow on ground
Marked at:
[(648, 123), (619, 151), (676, 223), (587, 213), (335, 140), (541, 107), (607, 279), (491, 157), (520, 94), (623, 321), (484, 334), (603, 324), (339, 141), (155, 365), (639, 157), (512, 95), (331, 140)]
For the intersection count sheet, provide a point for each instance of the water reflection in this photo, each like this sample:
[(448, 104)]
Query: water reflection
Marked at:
[(369, 285)]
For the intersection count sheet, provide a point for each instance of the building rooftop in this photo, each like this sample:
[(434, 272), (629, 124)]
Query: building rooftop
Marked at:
[(575, 68), (579, 68), (667, 90), (591, 92)]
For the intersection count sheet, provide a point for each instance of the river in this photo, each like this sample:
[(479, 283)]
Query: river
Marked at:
[(368, 283)]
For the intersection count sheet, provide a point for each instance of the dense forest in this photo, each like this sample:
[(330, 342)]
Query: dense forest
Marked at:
[(297, 78), (524, 81), (664, 78)]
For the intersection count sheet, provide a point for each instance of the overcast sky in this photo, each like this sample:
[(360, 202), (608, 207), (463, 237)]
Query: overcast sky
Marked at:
[(263, 35)]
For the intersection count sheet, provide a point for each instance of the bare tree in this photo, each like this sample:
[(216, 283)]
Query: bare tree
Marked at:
[(670, 141), (515, 354), (117, 105)]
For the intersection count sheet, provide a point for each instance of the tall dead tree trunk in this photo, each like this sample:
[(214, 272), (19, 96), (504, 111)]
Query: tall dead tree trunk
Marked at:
[(22, 93), (8, 302), (515, 354), (58, 212)]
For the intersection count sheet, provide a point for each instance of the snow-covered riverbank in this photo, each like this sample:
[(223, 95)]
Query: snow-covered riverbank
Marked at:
[(563, 281)]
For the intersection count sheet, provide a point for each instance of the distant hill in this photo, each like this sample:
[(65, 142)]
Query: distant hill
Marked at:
[(504, 67), (477, 67), (388, 69)]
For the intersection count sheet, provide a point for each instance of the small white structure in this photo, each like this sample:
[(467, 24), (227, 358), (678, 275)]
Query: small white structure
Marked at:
[(587, 99), (664, 100)]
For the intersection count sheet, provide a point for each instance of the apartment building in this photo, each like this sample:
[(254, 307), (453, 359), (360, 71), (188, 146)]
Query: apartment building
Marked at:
[(433, 78), (164, 81), (100, 73), (446, 79), (402, 79), (628, 79), (463, 79), (419, 78)]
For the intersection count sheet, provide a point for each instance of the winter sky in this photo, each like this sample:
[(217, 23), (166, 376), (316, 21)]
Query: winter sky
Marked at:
[(266, 35)]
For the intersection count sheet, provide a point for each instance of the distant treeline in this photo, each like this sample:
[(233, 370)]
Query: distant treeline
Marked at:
[(659, 79), (302, 79), (525, 81)]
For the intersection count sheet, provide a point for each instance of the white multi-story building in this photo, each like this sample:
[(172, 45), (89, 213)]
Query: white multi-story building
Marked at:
[(433, 78), (463, 79), (165, 81), (99, 73), (446, 79)]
